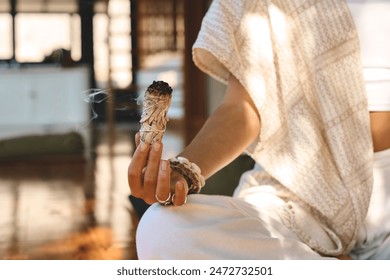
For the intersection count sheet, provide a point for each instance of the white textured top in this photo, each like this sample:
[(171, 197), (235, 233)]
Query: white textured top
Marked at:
[(300, 63), (372, 19)]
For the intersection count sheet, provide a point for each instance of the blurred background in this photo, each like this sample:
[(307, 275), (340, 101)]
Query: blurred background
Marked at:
[(71, 73)]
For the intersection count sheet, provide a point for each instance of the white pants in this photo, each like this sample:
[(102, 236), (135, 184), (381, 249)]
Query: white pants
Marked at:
[(374, 239), (247, 226)]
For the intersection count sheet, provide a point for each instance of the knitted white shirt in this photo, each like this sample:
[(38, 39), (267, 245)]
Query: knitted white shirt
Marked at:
[(299, 61)]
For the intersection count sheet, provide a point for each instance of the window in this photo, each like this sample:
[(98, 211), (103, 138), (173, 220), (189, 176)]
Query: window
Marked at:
[(38, 35), (39, 28), (100, 49), (6, 36), (47, 6), (160, 28), (5, 6), (112, 45)]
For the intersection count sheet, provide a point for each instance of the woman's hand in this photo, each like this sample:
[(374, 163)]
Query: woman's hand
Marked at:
[(230, 129), (151, 178)]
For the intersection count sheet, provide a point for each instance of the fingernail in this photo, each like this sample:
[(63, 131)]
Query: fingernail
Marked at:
[(164, 165), (179, 186), (143, 146), (156, 146)]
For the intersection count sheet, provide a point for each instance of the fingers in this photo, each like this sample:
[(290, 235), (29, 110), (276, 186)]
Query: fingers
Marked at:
[(137, 139), (163, 191), (152, 173), (150, 178), (135, 170), (180, 196)]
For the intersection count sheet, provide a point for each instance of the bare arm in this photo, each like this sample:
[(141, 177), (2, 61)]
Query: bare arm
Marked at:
[(225, 135), (380, 130)]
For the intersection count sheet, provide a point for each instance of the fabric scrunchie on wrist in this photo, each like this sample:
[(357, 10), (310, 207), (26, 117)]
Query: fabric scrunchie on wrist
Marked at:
[(190, 171)]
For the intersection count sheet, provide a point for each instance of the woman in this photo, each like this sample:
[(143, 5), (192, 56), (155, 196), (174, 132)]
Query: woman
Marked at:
[(296, 102)]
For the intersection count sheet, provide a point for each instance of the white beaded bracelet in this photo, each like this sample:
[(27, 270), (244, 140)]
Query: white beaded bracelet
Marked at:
[(190, 171)]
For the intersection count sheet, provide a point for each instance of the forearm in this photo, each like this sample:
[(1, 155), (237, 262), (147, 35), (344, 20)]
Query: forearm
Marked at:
[(380, 130), (226, 134)]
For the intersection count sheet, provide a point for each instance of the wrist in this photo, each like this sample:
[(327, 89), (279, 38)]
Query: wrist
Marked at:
[(191, 173)]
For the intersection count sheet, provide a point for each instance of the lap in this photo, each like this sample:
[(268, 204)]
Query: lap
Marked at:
[(218, 227)]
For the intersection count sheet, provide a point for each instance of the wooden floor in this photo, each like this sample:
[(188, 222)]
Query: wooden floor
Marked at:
[(71, 209)]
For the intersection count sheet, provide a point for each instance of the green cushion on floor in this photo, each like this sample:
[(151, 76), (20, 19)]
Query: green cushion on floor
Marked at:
[(35, 146)]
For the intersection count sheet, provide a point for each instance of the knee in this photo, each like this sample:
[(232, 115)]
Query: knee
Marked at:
[(156, 233)]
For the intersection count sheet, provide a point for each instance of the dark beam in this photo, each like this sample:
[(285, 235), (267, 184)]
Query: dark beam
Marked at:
[(195, 95), (86, 16), (13, 14), (134, 40)]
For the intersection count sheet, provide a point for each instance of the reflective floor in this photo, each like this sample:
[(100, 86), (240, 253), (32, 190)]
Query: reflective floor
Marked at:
[(72, 209)]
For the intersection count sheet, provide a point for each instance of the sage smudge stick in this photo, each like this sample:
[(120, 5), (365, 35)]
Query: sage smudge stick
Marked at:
[(154, 119)]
